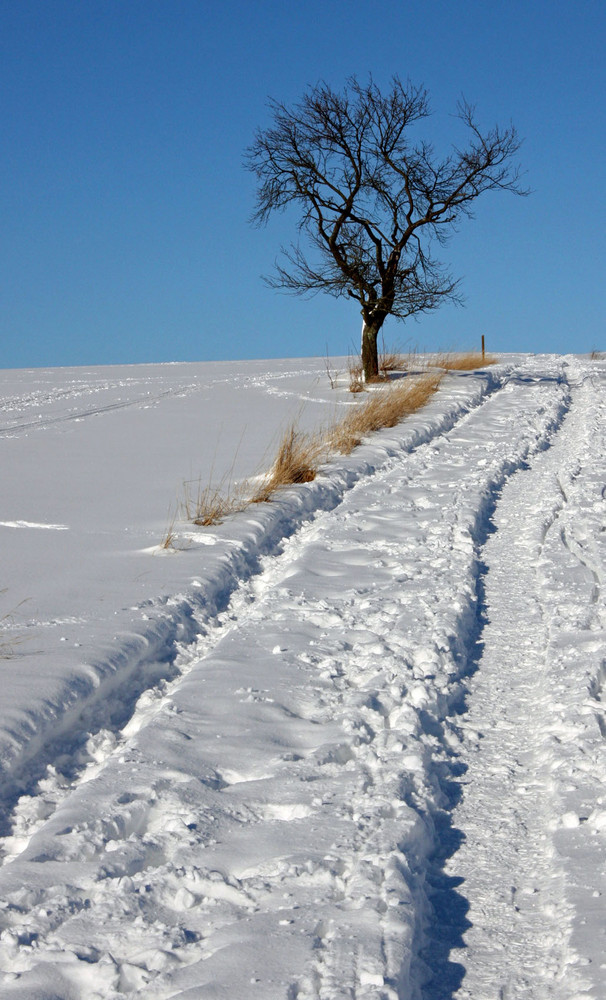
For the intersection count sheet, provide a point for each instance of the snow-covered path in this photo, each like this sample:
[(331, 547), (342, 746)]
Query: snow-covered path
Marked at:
[(535, 771), (377, 771)]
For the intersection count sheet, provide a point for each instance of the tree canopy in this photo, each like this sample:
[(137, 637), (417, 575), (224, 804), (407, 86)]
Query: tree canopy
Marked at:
[(374, 199)]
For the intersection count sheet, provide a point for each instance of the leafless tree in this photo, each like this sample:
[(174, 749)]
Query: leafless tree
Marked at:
[(374, 199)]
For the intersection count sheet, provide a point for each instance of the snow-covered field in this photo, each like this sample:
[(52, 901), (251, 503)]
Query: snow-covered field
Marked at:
[(348, 744)]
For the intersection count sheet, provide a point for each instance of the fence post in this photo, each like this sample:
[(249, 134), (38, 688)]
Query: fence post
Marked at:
[(483, 352)]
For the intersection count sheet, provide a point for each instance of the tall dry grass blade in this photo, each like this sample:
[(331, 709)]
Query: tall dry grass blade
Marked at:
[(299, 454), (170, 535), (296, 462), (384, 408), (206, 505), (392, 359), (212, 505), (356, 377), (332, 373), (464, 362)]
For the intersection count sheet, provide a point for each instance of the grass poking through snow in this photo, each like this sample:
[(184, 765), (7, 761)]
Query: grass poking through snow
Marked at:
[(383, 408), (465, 362), (206, 505), (300, 455), (297, 461)]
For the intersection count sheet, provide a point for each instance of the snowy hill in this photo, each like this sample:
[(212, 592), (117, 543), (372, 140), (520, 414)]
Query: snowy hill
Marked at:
[(348, 743)]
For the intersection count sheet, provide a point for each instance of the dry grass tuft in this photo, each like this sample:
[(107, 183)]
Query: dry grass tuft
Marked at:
[(597, 355), (356, 376), (389, 360), (393, 359), (384, 408), (170, 535), (332, 373), (207, 505), (297, 461), (300, 455), (464, 362)]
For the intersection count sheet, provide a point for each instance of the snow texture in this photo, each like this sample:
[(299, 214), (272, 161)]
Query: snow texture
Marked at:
[(348, 744)]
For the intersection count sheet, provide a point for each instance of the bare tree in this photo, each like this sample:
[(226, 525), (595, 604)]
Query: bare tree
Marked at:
[(374, 199)]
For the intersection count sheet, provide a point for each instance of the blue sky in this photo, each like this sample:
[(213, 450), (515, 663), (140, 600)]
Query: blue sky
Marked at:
[(125, 204)]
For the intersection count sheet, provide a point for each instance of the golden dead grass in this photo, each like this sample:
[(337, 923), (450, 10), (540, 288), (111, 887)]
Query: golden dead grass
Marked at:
[(206, 505), (297, 461), (356, 377), (391, 361), (300, 455), (383, 408), (394, 359), (465, 361)]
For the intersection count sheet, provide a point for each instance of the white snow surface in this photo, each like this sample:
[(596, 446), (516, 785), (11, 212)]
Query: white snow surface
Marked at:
[(347, 744)]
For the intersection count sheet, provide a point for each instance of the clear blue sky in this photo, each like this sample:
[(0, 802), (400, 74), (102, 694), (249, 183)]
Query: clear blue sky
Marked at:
[(125, 204)]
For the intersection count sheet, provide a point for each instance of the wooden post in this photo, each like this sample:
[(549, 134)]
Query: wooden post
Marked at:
[(483, 352)]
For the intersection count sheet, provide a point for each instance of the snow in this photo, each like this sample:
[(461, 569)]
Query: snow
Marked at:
[(348, 743)]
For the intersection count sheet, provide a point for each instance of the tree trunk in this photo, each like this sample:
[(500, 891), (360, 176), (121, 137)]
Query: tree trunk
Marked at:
[(370, 360)]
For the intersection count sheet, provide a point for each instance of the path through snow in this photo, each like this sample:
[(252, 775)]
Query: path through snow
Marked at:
[(377, 772), (534, 802)]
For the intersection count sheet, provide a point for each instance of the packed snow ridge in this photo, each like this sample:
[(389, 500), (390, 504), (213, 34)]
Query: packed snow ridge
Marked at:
[(348, 744)]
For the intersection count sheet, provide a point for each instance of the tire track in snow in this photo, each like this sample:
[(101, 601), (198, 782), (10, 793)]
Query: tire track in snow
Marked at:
[(520, 925), (571, 578), (181, 869), (147, 660), (44, 422)]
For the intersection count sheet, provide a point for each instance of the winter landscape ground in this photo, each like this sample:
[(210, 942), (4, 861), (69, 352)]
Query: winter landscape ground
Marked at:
[(347, 744)]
